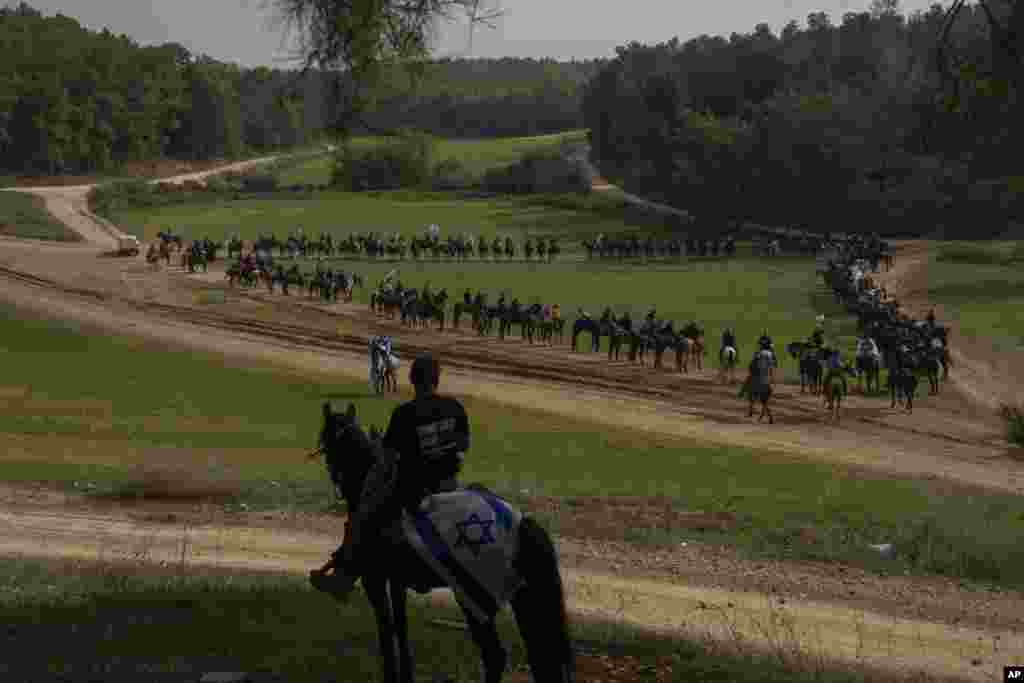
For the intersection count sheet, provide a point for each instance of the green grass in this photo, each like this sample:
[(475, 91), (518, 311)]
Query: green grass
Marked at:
[(404, 212), (475, 155), (23, 215), (93, 408), (195, 622), (987, 298)]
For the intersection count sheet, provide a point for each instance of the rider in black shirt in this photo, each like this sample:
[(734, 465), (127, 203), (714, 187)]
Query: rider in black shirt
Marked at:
[(421, 454)]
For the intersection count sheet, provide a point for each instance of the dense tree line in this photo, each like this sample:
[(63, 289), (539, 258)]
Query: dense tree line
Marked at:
[(832, 126), (74, 100)]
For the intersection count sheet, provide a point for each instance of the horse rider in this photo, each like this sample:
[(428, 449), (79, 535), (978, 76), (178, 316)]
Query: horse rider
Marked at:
[(931, 318), (866, 346), (625, 322), (606, 316), (467, 297), (546, 311), (421, 454), (765, 342), (580, 313), (556, 312), (728, 339), (651, 315)]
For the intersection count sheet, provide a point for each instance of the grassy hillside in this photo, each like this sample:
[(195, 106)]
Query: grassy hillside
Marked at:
[(476, 155)]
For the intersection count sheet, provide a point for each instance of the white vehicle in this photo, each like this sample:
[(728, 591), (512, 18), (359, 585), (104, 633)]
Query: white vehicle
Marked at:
[(128, 245)]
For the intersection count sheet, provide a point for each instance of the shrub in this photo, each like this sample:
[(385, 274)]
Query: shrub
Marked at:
[(407, 160), (450, 174), (1014, 416), (259, 182), (539, 171)]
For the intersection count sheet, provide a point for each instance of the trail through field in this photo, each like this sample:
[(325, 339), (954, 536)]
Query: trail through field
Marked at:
[(674, 592), (947, 436), (70, 204), (988, 377)]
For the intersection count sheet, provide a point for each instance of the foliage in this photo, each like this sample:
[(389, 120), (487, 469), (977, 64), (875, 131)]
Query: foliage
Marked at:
[(833, 125), (404, 161), (1014, 416), (538, 171)]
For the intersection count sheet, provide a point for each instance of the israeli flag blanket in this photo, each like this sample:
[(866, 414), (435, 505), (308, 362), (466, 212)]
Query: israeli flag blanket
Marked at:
[(470, 538)]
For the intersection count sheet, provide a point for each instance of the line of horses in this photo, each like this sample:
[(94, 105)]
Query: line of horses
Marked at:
[(376, 245)]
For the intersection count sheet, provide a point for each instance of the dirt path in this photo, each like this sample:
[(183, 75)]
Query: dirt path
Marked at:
[(896, 622), (70, 204), (987, 377), (896, 626)]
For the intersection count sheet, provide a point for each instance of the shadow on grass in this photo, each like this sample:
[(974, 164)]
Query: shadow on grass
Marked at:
[(128, 618)]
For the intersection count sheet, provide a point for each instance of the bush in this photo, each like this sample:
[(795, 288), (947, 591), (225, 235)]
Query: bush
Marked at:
[(406, 160), (259, 182), (122, 193), (450, 175), (539, 171), (1014, 416)]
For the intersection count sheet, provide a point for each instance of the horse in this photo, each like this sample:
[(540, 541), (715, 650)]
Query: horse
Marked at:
[(868, 366), (538, 604), (382, 368), (616, 335), (810, 359), (727, 364), (902, 386), (587, 325), (758, 391)]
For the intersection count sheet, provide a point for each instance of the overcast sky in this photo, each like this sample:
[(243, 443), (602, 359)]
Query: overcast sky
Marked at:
[(239, 31)]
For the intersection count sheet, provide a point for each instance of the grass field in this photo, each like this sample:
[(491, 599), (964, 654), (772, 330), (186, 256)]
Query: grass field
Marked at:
[(23, 215), (984, 286), (100, 410), (749, 294), (475, 155), (194, 622), (407, 213)]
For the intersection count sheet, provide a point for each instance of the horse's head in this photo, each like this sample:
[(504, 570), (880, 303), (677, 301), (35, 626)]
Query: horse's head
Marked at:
[(348, 452)]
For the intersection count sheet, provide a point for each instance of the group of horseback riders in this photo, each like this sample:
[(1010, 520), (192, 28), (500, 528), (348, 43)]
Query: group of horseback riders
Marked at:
[(606, 246)]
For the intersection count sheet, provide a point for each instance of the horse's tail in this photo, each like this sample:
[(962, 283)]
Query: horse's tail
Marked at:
[(539, 607)]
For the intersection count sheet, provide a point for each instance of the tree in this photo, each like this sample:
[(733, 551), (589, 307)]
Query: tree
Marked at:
[(363, 37)]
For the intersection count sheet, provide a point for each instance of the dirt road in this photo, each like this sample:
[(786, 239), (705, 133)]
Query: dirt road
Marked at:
[(70, 204), (918, 623), (673, 592)]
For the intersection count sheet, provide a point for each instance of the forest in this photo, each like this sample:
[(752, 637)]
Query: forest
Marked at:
[(836, 126), (79, 101)]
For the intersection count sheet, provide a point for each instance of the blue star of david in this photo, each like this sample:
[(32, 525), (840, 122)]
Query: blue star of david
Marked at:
[(486, 533)]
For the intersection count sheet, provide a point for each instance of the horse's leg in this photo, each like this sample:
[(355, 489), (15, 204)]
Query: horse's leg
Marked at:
[(406, 673), (492, 652), (378, 596)]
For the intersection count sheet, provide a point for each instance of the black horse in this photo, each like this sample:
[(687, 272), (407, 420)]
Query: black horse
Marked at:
[(902, 386), (539, 605)]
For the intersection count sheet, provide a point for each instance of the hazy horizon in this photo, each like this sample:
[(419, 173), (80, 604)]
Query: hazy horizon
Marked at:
[(529, 28)]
